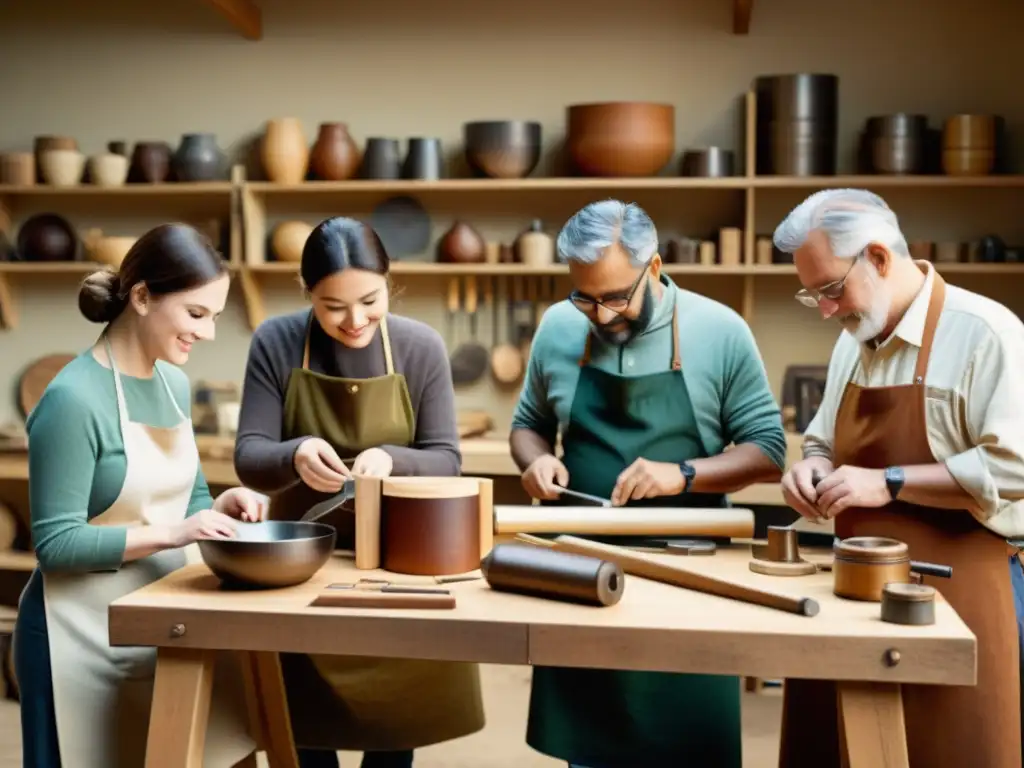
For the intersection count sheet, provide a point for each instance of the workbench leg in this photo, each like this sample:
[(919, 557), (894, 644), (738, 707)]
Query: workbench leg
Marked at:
[(181, 708), (872, 731), (268, 708)]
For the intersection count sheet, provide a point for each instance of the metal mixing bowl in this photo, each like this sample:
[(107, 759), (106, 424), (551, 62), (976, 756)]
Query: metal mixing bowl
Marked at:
[(275, 553)]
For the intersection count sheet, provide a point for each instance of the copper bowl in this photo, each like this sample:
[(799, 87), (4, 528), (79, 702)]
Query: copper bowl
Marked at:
[(621, 139)]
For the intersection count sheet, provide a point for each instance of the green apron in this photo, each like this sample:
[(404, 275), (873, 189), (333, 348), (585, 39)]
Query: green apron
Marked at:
[(354, 702), (607, 718)]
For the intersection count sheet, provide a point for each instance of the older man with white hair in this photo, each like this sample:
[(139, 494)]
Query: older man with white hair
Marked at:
[(648, 384), (919, 437)]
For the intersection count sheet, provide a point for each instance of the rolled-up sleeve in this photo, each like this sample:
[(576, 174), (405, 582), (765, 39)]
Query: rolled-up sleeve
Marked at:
[(992, 470)]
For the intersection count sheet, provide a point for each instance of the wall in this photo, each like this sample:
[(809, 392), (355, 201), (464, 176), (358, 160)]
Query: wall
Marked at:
[(107, 70)]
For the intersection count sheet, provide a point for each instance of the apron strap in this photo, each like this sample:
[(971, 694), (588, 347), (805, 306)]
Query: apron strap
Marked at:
[(677, 362), (385, 337), (122, 405), (305, 348), (931, 321)]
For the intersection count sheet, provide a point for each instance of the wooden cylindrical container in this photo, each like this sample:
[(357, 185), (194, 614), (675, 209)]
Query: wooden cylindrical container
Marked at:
[(863, 565), (430, 526)]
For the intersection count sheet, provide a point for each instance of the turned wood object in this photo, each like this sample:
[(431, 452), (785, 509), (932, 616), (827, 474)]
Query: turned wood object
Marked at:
[(863, 565), (548, 573), (637, 564), (625, 521), (781, 556), (426, 526), (912, 604)]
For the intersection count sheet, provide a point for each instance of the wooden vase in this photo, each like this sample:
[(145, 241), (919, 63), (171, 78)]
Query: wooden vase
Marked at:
[(335, 156), (284, 152)]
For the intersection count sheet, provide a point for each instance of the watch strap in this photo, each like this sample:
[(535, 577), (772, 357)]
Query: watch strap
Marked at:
[(688, 474)]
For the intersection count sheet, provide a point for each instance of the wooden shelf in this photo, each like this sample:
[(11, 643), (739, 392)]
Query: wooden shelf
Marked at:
[(172, 189), (879, 180), (433, 268)]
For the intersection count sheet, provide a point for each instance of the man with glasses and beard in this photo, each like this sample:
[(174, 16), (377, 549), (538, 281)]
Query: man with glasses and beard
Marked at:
[(647, 384), (919, 438)]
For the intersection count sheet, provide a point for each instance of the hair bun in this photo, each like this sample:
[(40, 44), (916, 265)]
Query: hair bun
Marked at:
[(99, 298)]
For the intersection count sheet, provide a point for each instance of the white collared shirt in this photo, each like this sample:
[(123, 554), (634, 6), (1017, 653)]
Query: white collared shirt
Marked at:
[(975, 394)]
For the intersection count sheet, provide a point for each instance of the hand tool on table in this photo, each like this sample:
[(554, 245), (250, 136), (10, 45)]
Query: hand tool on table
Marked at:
[(371, 593), (585, 498), (639, 564)]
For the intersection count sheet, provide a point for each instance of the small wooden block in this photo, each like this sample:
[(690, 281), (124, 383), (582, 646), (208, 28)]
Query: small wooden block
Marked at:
[(773, 568)]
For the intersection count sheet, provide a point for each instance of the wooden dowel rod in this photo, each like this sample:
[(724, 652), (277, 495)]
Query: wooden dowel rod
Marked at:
[(734, 522), (637, 564)]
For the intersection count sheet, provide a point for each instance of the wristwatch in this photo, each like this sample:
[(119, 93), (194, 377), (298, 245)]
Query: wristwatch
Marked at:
[(688, 474), (894, 480)]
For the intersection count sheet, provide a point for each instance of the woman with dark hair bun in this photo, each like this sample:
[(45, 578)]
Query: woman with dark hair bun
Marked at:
[(339, 390), (117, 501)]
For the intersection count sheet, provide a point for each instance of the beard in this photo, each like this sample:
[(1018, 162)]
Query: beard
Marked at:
[(869, 325), (622, 330)]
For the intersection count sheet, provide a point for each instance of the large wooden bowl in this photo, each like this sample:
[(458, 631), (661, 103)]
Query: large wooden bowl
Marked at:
[(627, 138)]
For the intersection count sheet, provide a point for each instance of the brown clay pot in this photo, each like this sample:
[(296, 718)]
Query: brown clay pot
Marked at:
[(335, 155), (621, 139), (284, 152), (461, 245), (288, 240), (48, 237), (151, 162)]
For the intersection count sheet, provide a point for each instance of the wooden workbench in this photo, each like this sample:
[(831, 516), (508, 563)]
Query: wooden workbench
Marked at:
[(654, 627)]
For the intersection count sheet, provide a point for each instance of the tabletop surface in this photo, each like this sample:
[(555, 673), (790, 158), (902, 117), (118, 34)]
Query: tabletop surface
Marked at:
[(654, 627)]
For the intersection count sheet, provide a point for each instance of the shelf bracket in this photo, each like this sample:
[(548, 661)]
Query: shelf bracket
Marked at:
[(243, 15), (741, 13)]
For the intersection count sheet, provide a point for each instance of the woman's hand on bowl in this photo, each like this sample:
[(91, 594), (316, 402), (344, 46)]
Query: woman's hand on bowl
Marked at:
[(205, 524), (242, 504)]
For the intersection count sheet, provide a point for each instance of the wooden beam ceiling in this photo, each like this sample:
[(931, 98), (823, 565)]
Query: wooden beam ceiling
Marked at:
[(741, 12), (243, 15)]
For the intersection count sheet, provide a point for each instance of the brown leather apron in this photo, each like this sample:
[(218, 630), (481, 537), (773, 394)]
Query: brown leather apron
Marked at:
[(947, 726), (357, 702)]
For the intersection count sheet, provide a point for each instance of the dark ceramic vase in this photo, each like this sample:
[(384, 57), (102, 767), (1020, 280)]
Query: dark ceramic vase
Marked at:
[(502, 149), (118, 148), (151, 162), (198, 158), (381, 159), (47, 237), (423, 160)]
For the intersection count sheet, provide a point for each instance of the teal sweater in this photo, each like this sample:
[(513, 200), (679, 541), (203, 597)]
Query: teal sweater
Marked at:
[(77, 464), (722, 371)]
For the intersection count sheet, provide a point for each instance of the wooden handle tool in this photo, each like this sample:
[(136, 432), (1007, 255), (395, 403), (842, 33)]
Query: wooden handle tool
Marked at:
[(637, 564)]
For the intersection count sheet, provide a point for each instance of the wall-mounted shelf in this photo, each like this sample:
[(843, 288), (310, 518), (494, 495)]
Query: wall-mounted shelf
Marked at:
[(252, 205)]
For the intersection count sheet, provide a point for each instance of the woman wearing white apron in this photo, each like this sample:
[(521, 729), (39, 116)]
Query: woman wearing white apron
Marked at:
[(116, 494)]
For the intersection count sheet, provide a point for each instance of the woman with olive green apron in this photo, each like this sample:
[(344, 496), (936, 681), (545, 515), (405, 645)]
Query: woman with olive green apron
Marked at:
[(623, 719), (357, 702)]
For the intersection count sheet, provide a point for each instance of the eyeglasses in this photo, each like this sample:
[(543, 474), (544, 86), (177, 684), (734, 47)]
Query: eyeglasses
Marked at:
[(616, 303), (832, 291)]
